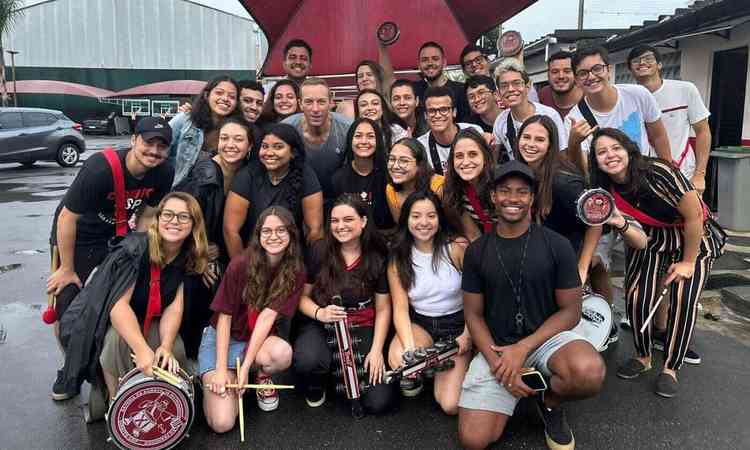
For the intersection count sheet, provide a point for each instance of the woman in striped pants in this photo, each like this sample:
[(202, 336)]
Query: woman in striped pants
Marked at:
[(682, 245)]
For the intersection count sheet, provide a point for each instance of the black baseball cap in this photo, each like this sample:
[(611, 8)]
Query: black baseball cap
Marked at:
[(154, 127), (516, 168)]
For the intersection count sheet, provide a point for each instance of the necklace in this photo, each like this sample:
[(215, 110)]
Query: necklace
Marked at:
[(516, 287)]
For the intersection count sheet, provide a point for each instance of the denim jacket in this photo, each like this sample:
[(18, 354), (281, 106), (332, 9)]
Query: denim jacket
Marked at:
[(187, 141)]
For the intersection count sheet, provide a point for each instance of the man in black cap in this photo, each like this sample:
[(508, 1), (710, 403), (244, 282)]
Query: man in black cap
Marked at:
[(86, 218), (522, 295)]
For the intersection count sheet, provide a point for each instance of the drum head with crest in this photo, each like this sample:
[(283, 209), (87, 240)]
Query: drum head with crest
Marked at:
[(595, 207), (388, 33)]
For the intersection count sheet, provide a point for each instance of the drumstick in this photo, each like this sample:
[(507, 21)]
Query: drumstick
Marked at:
[(259, 386), (165, 375), (239, 401), (654, 308)]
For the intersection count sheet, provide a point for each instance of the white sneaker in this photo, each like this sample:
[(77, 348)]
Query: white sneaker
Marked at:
[(268, 399)]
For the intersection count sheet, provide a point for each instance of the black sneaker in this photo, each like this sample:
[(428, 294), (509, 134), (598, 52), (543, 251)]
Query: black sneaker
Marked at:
[(625, 322), (666, 385), (315, 397), (632, 368), (557, 432), (58, 389), (411, 386), (691, 356)]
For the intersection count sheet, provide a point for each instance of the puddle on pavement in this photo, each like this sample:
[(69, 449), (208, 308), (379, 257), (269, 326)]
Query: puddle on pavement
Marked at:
[(30, 252), (9, 267)]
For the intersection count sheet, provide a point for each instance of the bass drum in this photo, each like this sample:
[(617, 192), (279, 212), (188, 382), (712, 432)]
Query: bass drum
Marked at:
[(151, 413), (596, 321)]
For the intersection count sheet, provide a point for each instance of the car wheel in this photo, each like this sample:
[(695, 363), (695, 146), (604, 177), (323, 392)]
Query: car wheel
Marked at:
[(68, 155), (28, 164)]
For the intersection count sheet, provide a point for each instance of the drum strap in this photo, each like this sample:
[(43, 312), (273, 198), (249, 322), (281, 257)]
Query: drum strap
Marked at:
[(154, 298), (437, 165), (118, 180), (624, 206), (471, 194)]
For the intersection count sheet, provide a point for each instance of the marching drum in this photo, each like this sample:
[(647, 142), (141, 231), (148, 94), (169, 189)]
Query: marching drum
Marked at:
[(596, 321), (151, 413)]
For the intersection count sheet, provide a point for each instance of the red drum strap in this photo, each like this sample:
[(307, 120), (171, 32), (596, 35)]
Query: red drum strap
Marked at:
[(471, 194), (644, 218), (118, 179), (154, 298)]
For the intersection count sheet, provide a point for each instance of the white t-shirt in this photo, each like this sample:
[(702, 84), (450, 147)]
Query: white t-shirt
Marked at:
[(500, 128), (443, 152), (681, 107), (635, 108)]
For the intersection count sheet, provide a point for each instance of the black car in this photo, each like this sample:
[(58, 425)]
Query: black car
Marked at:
[(100, 125), (28, 135)]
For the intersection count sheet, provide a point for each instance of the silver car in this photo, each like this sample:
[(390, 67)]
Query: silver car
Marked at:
[(28, 135)]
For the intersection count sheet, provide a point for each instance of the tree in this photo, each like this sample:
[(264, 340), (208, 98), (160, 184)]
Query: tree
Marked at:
[(489, 43), (10, 11)]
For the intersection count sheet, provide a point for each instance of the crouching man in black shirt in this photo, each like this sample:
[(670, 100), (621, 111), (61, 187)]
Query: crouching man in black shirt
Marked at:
[(522, 295)]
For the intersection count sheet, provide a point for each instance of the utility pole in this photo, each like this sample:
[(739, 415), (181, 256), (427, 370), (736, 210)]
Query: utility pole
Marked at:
[(580, 15), (13, 54)]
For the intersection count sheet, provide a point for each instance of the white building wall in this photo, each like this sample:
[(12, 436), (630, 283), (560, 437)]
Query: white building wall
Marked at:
[(142, 34)]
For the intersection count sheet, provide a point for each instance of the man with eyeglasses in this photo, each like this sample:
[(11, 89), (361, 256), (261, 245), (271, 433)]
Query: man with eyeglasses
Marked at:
[(629, 108), (513, 84), (86, 219), (441, 112), (474, 62), (562, 94), (482, 95), (683, 113), (432, 64)]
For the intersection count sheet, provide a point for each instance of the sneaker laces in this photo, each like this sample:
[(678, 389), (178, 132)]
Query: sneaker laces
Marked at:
[(265, 392)]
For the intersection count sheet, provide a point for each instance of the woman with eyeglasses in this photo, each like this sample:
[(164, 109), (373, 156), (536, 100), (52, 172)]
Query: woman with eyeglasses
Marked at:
[(409, 171), (279, 177), (134, 303), (346, 279), (256, 301), (424, 275), (467, 185), (281, 102), (372, 105)]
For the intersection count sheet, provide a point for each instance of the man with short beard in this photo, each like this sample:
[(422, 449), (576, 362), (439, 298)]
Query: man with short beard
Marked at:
[(482, 95), (440, 111), (323, 132), (562, 94), (432, 63), (251, 105), (404, 102), (297, 60)]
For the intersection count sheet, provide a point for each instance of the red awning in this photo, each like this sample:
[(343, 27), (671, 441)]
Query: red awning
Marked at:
[(174, 87), (342, 32), (56, 87)]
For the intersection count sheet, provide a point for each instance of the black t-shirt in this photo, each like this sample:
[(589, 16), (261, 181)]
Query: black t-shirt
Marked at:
[(459, 97), (92, 195), (550, 264), (563, 217), (370, 189), (477, 120), (252, 184), (666, 187), (170, 280)]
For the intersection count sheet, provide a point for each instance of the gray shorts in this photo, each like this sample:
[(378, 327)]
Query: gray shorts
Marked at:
[(482, 391)]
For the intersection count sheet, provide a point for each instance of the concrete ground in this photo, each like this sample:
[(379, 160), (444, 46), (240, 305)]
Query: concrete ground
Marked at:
[(708, 413)]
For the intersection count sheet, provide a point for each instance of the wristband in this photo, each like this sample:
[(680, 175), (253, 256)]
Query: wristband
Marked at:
[(315, 316)]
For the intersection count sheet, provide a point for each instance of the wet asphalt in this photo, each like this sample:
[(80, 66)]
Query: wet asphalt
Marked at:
[(709, 412)]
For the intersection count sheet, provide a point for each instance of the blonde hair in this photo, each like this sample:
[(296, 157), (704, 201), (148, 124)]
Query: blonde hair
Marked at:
[(197, 243), (313, 81), (510, 65)]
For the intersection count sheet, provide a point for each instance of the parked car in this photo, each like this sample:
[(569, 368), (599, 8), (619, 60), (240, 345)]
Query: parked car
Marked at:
[(100, 125), (28, 135)]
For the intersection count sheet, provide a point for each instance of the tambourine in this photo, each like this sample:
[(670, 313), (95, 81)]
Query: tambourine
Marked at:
[(388, 33), (595, 207), (510, 44)]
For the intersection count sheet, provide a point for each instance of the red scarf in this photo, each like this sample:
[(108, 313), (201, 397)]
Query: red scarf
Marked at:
[(154, 298), (118, 179), (471, 194)]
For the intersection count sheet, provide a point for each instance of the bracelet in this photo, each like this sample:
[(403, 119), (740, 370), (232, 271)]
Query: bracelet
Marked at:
[(315, 316), (624, 228)]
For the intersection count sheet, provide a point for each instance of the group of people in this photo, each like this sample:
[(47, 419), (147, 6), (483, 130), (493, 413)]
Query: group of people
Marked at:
[(434, 210)]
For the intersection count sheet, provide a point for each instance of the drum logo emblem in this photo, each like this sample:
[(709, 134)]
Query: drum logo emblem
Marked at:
[(151, 417)]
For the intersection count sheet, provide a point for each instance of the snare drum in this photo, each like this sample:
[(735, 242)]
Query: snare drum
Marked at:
[(596, 321), (151, 413)]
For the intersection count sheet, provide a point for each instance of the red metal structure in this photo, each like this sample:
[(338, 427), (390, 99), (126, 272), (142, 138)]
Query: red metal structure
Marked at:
[(342, 32), (174, 87)]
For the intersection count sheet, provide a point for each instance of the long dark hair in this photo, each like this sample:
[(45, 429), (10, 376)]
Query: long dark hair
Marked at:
[(454, 187), (268, 114), (639, 166), (201, 112), (551, 164), (266, 284), (424, 169), (401, 251), (379, 168), (387, 119), (373, 256), (291, 137)]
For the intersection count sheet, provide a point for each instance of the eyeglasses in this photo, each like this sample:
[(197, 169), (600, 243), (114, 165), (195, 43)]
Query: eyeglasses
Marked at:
[(478, 94), (596, 69), (167, 215), (280, 232), (648, 58), (400, 162), (515, 84), (479, 60), (443, 111)]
